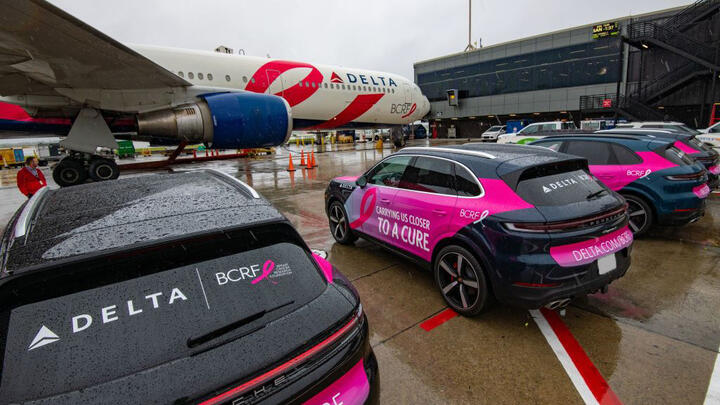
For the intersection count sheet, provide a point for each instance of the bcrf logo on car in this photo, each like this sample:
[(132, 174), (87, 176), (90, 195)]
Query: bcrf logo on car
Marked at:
[(269, 270), (638, 172)]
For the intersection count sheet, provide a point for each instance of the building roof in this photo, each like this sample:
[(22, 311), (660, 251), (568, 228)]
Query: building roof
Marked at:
[(97, 218)]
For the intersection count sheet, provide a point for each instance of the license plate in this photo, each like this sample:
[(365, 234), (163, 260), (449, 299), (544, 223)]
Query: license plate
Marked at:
[(606, 264)]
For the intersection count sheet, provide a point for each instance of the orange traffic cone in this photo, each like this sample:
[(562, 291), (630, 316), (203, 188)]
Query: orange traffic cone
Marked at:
[(314, 161), (302, 158), (311, 160), (291, 167)]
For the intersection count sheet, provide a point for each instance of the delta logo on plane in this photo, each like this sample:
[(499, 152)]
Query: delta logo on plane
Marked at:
[(334, 78)]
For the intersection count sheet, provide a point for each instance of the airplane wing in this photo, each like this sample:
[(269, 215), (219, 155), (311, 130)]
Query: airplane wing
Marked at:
[(43, 48)]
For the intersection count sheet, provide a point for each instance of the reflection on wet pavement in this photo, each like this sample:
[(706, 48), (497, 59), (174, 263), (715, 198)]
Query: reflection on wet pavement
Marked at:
[(654, 336)]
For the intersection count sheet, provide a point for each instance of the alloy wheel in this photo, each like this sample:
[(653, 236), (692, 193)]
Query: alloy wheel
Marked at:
[(338, 222), (458, 280), (638, 215)]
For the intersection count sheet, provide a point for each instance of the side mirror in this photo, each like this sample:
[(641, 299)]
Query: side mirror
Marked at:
[(361, 181)]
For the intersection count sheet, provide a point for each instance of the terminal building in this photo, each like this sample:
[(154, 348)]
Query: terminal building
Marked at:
[(657, 66)]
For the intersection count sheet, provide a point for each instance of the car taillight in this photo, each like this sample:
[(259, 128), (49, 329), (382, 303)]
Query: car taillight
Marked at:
[(686, 177), (288, 365), (550, 227)]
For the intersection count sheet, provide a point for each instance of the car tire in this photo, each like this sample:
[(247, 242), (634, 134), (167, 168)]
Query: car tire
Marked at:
[(103, 169), (465, 291), (340, 224), (641, 215), (69, 172)]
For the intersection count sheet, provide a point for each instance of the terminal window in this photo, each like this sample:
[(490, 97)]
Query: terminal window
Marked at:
[(576, 65)]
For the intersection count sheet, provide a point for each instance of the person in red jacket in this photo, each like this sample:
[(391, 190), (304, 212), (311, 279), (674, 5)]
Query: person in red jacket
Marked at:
[(30, 179)]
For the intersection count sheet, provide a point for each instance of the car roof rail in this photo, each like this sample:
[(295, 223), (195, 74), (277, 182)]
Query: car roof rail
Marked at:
[(450, 150), (237, 181), (597, 135), (22, 225)]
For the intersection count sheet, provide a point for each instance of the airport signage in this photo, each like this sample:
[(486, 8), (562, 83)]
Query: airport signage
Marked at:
[(606, 30)]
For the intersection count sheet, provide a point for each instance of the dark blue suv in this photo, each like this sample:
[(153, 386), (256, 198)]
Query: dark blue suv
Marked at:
[(530, 226), (659, 181), (687, 143)]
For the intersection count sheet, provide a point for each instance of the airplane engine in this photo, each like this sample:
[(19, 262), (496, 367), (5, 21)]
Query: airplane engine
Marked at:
[(223, 121)]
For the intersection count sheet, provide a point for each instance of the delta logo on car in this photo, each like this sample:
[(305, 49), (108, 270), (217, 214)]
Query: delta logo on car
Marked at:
[(488, 225)]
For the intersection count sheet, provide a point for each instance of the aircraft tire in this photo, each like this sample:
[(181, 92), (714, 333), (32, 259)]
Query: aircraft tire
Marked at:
[(69, 172)]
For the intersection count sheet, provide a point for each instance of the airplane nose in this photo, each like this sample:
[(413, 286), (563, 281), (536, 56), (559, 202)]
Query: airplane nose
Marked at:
[(425, 107)]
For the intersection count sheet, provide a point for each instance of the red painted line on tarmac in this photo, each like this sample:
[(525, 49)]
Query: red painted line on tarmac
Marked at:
[(594, 380), (438, 319)]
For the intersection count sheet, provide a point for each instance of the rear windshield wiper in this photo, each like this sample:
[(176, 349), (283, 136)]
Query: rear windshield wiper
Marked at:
[(595, 194), (215, 333)]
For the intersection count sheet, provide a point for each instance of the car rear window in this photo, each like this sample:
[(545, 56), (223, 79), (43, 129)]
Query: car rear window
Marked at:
[(97, 323), (676, 156), (553, 186)]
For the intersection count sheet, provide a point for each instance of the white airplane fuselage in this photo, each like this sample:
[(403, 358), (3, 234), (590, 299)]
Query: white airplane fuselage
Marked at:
[(320, 96)]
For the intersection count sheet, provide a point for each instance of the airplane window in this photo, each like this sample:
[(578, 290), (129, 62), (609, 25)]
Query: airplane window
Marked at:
[(252, 80), (354, 87), (200, 76), (209, 76), (227, 78), (244, 79), (364, 88), (325, 85), (393, 91), (313, 84), (300, 84), (307, 84), (181, 74), (343, 87), (191, 75)]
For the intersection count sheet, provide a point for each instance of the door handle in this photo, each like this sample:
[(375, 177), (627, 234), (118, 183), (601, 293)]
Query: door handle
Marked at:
[(385, 201), (606, 176), (439, 212)]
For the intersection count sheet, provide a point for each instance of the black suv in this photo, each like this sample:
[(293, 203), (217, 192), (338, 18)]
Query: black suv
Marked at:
[(173, 288)]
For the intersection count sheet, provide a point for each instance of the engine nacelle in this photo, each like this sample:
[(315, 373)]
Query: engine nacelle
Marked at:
[(223, 121)]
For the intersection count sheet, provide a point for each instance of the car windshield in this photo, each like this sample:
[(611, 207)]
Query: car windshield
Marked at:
[(687, 129), (123, 315), (494, 128)]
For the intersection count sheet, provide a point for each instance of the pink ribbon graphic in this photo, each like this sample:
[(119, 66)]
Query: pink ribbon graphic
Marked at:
[(412, 110), (366, 210), (268, 268)]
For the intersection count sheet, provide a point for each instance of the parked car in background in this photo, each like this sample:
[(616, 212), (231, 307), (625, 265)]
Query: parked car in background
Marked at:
[(505, 220), (532, 131), (711, 135), (661, 184), (492, 133), (671, 125), (174, 288)]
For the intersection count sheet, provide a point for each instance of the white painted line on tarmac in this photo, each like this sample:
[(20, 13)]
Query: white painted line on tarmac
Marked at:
[(564, 358), (586, 378), (713, 393)]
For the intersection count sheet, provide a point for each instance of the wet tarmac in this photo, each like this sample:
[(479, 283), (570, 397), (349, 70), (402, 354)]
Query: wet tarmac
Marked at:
[(653, 336)]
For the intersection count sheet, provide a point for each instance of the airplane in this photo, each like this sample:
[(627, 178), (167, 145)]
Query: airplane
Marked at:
[(59, 74)]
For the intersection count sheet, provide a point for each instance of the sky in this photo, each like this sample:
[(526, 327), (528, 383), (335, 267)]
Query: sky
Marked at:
[(379, 35)]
